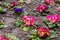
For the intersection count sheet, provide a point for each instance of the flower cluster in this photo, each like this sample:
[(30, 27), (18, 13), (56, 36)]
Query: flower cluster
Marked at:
[(42, 32), (4, 38), (41, 7), (50, 2), (28, 20), (53, 18), (12, 4), (18, 10)]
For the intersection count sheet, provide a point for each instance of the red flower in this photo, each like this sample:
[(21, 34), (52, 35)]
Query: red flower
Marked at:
[(28, 20), (50, 2), (42, 32), (41, 7), (12, 4)]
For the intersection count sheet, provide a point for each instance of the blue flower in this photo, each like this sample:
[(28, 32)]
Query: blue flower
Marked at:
[(18, 10)]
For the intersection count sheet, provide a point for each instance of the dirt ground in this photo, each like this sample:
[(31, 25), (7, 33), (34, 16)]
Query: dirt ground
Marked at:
[(9, 19)]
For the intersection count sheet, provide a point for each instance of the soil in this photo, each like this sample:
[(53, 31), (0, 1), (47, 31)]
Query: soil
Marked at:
[(9, 20)]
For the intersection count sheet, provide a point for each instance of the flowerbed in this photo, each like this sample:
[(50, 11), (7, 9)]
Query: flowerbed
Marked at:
[(28, 22)]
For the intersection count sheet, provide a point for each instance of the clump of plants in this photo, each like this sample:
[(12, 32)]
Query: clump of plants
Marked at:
[(52, 20), (27, 23), (45, 7), (42, 34)]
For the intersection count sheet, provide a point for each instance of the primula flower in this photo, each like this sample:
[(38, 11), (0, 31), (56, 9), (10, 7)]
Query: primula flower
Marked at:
[(12, 4), (2, 38), (28, 20), (42, 32), (50, 2), (41, 7), (58, 18), (53, 18), (18, 10)]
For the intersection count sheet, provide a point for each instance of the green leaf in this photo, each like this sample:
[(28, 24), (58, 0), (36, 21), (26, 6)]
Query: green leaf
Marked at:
[(34, 39), (49, 24), (38, 38), (6, 4), (1, 9), (28, 1), (53, 34), (39, 1), (49, 9), (45, 21), (37, 22), (34, 32), (12, 36), (44, 14), (18, 23), (24, 13), (26, 28), (31, 36), (58, 24), (1, 24), (48, 38)]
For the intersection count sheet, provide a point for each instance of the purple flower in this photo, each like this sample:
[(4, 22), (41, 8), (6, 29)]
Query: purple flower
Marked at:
[(18, 10)]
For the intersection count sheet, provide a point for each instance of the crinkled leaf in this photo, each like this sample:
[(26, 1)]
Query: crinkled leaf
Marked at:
[(22, 26), (39, 1), (11, 36), (26, 28), (36, 38), (48, 38), (18, 23), (1, 9), (37, 22), (20, 1), (31, 36), (1, 24), (57, 1), (24, 13), (58, 24), (28, 1), (6, 4), (49, 9), (51, 25), (44, 14), (53, 34), (34, 32)]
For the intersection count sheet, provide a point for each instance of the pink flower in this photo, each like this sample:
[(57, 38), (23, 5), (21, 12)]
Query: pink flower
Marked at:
[(52, 18), (58, 18), (42, 32), (2, 38), (12, 4), (28, 20), (41, 7), (50, 2)]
